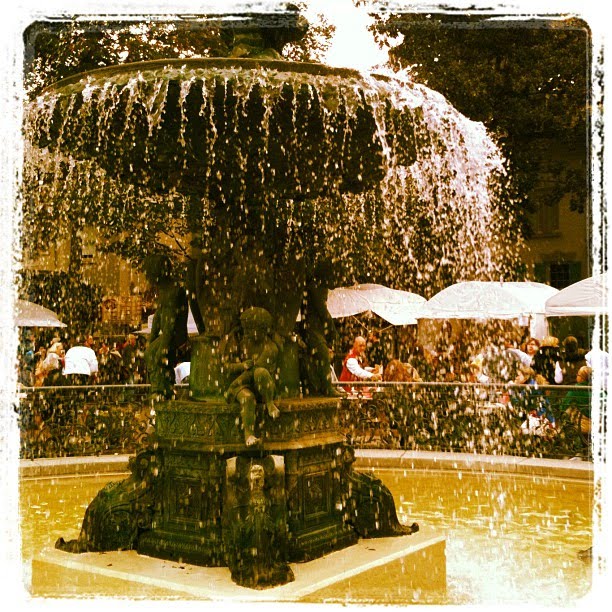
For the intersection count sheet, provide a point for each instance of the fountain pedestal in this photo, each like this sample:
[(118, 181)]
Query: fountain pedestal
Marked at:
[(198, 444), (200, 495)]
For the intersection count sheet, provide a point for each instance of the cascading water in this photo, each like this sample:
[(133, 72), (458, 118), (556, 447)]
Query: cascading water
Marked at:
[(268, 133)]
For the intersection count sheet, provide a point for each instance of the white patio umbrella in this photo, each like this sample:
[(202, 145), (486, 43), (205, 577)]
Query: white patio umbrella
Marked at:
[(192, 328), (492, 300), (346, 301), (488, 300), (393, 305), (584, 298), (28, 314)]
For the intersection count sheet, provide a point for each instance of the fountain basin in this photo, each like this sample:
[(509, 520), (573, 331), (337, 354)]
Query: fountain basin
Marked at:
[(531, 559)]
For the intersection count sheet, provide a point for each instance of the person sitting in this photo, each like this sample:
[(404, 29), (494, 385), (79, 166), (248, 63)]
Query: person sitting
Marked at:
[(530, 399), (39, 359), (81, 364), (572, 360), (577, 401), (528, 352), (546, 361), (476, 373), (354, 368), (398, 371), (499, 363), (110, 368), (50, 372)]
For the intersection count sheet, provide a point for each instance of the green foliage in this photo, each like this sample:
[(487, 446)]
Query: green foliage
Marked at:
[(527, 81), (58, 50)]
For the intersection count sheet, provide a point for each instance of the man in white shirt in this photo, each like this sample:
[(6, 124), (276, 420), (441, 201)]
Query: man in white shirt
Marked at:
[(81, 364)]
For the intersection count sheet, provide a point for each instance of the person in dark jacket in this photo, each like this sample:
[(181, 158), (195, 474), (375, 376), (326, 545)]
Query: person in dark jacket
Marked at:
[(572, 359), (547, 361)]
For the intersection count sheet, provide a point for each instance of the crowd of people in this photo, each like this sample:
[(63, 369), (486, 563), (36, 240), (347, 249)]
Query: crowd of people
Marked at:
[(465, 359), (84, 360), (530, 365)]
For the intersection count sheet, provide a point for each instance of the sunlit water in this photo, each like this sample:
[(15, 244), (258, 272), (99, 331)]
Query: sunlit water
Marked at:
[(509, 539)]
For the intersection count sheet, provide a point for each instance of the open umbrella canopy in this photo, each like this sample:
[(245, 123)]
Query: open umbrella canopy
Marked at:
[(346, 301), (489, 300), (192, 329), (584, 298), (28, 314), (394, 306)]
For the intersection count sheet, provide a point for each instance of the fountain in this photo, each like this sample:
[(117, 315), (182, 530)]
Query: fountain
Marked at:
[(264, 171)]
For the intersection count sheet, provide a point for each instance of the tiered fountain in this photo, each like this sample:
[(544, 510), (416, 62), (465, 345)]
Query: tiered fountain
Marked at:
[(268, 169)]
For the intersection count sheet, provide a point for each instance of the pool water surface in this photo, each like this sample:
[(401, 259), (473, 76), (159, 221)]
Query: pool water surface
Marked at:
[(509, 539)]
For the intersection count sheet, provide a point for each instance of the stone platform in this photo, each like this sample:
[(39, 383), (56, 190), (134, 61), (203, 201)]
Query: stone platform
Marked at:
[(128, 574)]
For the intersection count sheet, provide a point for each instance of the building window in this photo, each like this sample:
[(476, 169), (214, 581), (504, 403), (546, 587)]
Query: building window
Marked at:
[(558, 274), (547, 220)]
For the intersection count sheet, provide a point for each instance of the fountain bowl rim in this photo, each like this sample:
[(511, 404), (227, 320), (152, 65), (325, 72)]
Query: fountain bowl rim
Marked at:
[(312, 68)]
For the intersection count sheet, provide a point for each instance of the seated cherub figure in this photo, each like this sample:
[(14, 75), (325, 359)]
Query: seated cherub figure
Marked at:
[(253, 374)]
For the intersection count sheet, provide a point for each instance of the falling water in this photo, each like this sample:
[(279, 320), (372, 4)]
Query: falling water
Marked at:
[(423, 156)]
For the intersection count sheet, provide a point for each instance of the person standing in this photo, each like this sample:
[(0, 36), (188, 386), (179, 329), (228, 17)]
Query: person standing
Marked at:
[(129, 353), (81, 364), (353, 368)]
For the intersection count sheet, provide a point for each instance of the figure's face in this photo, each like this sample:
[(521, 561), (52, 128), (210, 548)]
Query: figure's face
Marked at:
[(256, 476), (360, 346), (532, 347)]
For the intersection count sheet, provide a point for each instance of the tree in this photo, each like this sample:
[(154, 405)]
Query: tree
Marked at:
[(527, 81)]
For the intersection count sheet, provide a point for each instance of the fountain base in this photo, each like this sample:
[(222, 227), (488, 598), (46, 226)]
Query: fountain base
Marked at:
[(200, 495), (422, 557)]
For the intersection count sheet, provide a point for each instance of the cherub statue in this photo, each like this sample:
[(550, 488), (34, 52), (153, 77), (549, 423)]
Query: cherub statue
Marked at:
[(254, 372)]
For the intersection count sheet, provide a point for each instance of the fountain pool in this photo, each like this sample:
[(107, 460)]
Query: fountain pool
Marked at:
[(510, 538)]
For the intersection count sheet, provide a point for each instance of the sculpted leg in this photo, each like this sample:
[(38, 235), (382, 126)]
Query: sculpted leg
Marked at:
[(264, 386), (248, 406)]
